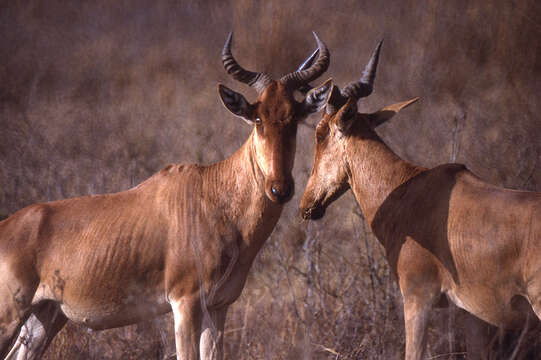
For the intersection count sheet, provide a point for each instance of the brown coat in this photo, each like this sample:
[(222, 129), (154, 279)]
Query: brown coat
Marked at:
[(183, 240), (445, 231)]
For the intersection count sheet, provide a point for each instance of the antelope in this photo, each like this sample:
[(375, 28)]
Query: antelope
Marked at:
[(447, 234), (181, 241)]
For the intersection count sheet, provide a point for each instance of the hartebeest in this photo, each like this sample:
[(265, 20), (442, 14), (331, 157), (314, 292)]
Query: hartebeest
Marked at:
[(446, 232), (183, 240)]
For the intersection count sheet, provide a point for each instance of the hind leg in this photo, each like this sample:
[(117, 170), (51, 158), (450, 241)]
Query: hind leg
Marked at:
[(14, 310), (37, 332)]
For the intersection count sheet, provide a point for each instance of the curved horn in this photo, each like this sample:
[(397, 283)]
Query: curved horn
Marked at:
[(259, 81), (301, 77), (365, 86), (305, 65), (309, 61)]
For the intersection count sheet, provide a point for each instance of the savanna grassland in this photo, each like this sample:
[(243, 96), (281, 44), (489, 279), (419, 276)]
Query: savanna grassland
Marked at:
[(95, 97)]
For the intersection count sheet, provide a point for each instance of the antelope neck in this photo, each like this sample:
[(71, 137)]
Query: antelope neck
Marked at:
[(236, 186), (374, 172)]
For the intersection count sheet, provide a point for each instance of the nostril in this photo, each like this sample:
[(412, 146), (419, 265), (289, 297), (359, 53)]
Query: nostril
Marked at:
[(281, 190)]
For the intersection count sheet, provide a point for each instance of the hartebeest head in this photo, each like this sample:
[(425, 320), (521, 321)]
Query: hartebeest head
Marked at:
[(331, 175), (276, 114)]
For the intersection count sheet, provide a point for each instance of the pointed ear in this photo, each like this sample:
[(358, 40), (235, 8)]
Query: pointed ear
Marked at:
[(316, 99), (335, 101), (236, 103), (388, 112), (345, 117)]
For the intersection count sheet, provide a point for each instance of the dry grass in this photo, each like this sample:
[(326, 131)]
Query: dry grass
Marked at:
[(95, 97)]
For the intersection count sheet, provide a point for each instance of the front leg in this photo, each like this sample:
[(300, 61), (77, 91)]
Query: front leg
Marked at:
[(420, 294), (420, 285), (188, 318), (416, 314), (212, 336)]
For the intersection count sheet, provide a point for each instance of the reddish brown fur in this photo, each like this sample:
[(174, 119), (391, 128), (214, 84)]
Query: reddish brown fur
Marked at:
[(182, 240), (445, 231)]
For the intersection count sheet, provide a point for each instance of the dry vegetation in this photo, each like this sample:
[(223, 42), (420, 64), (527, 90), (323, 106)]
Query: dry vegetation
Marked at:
[(95, 97)]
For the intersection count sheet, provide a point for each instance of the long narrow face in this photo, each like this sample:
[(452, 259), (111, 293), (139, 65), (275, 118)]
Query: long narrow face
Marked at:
[(329, 177), (276, 114), (275, 117), (331, 171)]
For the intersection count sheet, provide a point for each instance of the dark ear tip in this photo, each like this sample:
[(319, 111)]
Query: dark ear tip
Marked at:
[(221, 88)]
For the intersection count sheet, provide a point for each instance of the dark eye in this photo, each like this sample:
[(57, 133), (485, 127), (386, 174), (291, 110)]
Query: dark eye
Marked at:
[(258, 121)]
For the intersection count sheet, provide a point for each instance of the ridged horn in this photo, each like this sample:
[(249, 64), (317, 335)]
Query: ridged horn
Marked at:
[(309, 61), (257, 80), (305, 65), (298, 78), (365, 86)]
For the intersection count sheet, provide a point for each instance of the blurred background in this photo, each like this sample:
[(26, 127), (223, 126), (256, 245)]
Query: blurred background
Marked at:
[(97, 96)]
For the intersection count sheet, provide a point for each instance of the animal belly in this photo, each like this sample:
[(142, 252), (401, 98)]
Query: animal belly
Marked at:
[(102, 307), (109, 315), (490, 306)]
